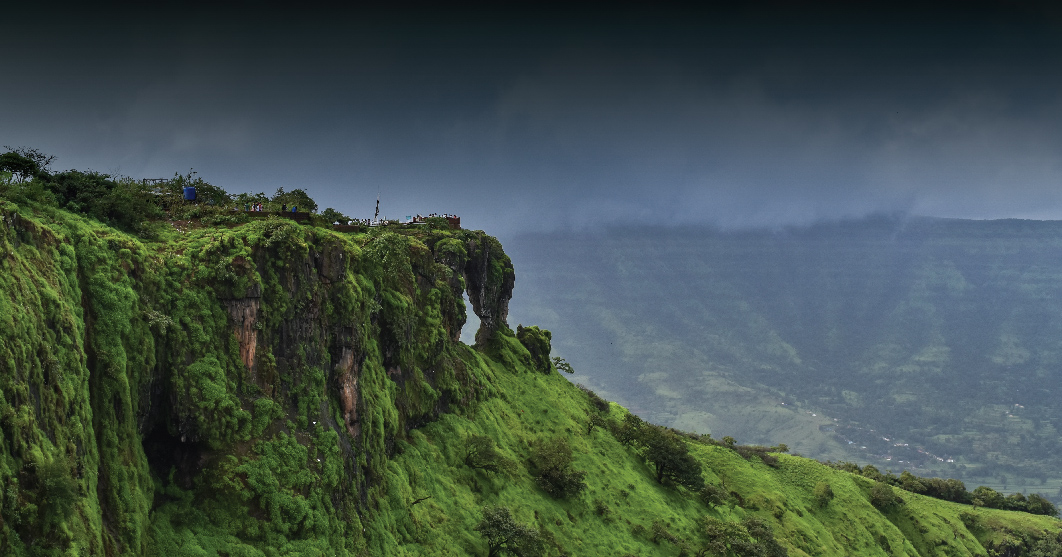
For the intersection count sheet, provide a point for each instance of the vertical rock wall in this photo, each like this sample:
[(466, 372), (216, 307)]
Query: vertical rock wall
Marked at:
[(148, 380)]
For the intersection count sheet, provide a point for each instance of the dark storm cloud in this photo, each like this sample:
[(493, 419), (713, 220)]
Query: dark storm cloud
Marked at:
[(746, 117)]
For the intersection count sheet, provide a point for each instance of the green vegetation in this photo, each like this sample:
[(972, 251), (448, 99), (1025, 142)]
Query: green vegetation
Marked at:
[(552, 463), (671, 458), (481, 453), (823, 494), (272, 388), (950, 490), (136, 206), (506, 536), (751, 537)]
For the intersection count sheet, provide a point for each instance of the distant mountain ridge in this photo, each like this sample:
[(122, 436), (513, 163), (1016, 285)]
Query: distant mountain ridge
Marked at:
[(941, 334)]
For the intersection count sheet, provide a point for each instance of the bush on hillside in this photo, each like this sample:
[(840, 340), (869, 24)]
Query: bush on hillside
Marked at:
[(562, 365), (714, 495), (672, 459), (594, 421), (1038, 504), (25, 164), (751, 537), (883, 497), (629, 430), (764, 454), (552, 460), (505, 535), (823, 494), (482, 454)]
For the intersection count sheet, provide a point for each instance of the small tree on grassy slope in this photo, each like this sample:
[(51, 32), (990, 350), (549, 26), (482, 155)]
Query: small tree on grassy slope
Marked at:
[(751, 538), (766, 544), (507, 536), (553, 462), (482, 454), (823, 494), (714, 495), (671, 458), (883, 497), (629, 431)]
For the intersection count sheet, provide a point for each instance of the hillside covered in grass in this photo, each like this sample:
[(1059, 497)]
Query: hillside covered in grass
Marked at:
[(271, 388)]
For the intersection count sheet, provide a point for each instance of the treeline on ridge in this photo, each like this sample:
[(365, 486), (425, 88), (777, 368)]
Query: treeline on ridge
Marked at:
[(953, 490)]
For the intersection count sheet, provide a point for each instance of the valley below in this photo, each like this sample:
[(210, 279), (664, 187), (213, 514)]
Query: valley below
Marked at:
[(932, 345)]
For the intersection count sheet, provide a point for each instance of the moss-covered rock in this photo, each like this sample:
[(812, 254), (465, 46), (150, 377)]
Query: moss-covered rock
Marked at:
[(537, 343)]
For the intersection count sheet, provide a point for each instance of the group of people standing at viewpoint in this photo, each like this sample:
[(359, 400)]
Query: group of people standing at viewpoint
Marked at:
[(257, 207), (420, 218)]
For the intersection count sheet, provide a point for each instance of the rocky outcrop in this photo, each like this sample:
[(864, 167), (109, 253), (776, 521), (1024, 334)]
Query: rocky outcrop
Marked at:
[(244, 314), (489, 278), (537, 342), (188, 364)]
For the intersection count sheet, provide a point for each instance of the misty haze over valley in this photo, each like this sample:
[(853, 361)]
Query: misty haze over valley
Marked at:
[(932, 345)]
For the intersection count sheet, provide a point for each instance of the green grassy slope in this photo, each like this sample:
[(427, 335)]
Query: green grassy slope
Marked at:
[(534, 406), (275, 389)]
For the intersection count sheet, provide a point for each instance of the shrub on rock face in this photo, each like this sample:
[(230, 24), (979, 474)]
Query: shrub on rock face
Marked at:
[(58, 492), (537, 342)]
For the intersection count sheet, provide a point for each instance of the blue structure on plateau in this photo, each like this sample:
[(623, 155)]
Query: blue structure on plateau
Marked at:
[(189, 193)]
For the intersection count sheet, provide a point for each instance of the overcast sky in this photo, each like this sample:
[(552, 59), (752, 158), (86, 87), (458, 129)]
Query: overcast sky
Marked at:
[(530, 119)]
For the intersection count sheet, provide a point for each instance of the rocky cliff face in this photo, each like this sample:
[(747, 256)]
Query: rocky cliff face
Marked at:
[(263, 371)]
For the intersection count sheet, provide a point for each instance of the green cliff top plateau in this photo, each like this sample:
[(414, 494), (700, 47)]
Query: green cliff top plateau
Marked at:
[(272, 388)]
